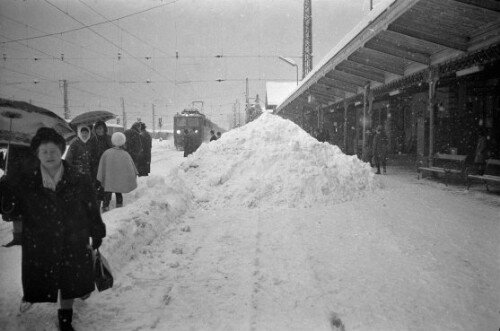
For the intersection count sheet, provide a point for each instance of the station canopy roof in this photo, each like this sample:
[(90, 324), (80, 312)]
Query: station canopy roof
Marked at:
[(396, 44)]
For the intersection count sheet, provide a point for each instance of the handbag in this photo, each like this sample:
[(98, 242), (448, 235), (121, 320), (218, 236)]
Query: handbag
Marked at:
[(103, 277)]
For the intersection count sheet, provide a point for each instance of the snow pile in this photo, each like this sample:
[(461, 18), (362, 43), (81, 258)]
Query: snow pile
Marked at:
[(273, 162), (156, 204)]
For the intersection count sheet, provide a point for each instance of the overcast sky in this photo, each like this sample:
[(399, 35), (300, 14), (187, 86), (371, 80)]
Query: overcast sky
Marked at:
[(249, 35)]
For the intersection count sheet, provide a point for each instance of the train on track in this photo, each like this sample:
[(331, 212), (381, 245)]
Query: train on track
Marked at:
[(195, 121)]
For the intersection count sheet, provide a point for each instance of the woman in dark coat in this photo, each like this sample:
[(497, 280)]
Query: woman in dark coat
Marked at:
[(59, 214), (79, 153)]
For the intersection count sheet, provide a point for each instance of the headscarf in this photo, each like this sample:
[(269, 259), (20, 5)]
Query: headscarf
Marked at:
[(80, 127)]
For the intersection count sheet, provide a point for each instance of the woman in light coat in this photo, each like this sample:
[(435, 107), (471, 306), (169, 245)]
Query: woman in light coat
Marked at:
[(117, 172)]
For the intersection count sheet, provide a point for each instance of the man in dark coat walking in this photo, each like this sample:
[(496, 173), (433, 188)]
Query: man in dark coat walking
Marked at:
[(380, 149), (134, 144), (145, 160), (188, 143), (212, 135)]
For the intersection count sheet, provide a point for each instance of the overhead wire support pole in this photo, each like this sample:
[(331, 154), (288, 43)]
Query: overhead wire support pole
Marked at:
[(153, 118), (307, 40), (66, 107), (124, 115)]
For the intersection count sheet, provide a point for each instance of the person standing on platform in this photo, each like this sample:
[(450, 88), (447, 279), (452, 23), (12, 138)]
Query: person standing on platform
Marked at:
[(59, 212), (99, 143), (379, 149), (117, 172), (134, 144), (212, 135), (79, 153), (145, 159)]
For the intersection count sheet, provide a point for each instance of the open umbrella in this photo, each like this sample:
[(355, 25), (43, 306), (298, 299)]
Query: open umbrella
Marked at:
[(20, 120), (91, 117)]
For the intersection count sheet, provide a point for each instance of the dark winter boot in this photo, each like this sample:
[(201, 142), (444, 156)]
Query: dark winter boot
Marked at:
[(16, 240), (65, 318)]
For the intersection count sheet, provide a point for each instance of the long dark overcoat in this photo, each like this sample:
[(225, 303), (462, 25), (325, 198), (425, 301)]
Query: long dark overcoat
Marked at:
[(133, 145), (79, 155), (57, 226), (379, 144), (144, 167), (98, 145)]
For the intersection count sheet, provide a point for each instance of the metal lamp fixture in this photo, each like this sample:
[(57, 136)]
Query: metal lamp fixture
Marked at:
[(292, 63)]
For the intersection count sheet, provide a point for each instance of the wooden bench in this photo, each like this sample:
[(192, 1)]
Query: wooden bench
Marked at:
[(447, 164), (491, 174)]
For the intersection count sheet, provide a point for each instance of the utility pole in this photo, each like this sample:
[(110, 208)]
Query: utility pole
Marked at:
[(124, 116), (307, 40), (153, 118), (234, 115), (66, 107), (247, 98)]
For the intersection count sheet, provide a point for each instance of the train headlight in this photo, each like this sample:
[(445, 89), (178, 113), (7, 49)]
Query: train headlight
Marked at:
[(195, 131), (178, 131)]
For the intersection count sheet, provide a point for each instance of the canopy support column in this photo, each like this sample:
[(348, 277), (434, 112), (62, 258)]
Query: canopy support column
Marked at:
[(366, 101), (346, 105), (432, 80)]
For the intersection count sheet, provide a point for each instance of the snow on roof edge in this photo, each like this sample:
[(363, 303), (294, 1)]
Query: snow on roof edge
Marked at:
[(370, 17)]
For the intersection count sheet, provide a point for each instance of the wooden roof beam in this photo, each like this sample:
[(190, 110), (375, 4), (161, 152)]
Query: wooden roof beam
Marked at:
[(368, 62), (393, 50), (323, 88), (346, 78), (438, 40), (485, 4), (324, 96), (332, 83), (360, 71)]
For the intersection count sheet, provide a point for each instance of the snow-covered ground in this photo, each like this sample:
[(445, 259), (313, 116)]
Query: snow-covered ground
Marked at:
[(267, 229)]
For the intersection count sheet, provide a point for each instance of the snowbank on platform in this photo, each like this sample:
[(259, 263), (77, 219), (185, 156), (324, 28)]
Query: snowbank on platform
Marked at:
[(273, 162), (155, 205)]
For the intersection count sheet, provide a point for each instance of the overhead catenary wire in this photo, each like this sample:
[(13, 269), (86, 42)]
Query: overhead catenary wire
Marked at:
[(59, 59), (62, 60), (131, 34), (100, 35), (137, 84), (90, 25)]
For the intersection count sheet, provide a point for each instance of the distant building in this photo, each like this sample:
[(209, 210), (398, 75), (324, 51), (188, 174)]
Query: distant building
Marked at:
[(277, 92)]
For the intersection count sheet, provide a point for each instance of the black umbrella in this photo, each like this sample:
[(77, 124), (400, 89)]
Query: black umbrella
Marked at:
[(89, 118), (20, 120)]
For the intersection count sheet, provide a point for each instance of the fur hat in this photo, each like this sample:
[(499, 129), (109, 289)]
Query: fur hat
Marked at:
[(47, 135), (118, 139)]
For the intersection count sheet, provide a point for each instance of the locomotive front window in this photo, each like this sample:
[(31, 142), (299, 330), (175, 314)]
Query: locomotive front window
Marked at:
[(181, 121), (193, 122)]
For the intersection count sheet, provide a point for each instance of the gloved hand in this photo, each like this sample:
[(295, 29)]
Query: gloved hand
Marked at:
[(96, 242)]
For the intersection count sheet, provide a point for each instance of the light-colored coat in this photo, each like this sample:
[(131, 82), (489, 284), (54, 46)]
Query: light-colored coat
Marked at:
[(117, 171)]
